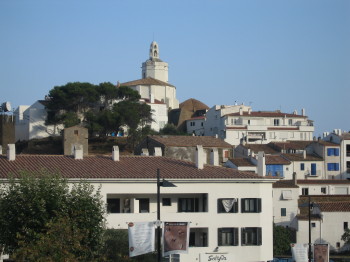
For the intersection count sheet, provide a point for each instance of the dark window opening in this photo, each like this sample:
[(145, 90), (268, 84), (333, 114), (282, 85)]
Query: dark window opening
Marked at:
[(166, 201), (305, 191), (228, 236), (302, 166), (113, 205), (283, 212), (188, 205), (251, 205), (143, 205), (251, 236), (346, 226)]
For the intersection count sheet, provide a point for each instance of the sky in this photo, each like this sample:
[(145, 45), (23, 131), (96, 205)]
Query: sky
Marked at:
[(269, 54)]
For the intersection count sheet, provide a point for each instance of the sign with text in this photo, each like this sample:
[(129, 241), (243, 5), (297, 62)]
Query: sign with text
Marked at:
[(175, 237), (141, 238), (321, 253), (216, 257), (299, 252)]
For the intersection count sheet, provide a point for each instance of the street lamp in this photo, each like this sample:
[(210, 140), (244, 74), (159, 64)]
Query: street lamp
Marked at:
[(164, 183)]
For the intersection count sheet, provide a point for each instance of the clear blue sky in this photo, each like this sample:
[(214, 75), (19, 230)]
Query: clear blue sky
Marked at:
[(271, 54)]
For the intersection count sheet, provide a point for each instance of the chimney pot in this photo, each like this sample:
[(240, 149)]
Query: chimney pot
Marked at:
[(295, 178), (214, 157), (78, 152), (115, 153), (304, 154), (11, 152), (199, 157)]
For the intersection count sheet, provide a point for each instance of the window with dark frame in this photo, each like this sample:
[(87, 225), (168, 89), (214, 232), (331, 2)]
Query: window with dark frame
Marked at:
[(283, 212), (113, 205), (188, 205), (305, 191), (228, 236), (323, 190), (251, 236), (302, 166), (143, 205), (166, 201), (227, 205), (313, 224), (251, 205), (346, 226)]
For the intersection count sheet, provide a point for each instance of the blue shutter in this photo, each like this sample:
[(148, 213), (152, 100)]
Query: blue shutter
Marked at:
[(336, 167), (329, 151), (330, 166), (336, 151), (313, 169)]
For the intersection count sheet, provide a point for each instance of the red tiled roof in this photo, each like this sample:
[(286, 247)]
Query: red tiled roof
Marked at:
[(276, 160), (260, 147), (334, 206), (129, 167), (197, 118), (323, 181), (296, 145), (284, 184), (267, 114), (191, 141), (241, 162), (299, 157), (146, 81), (155, 101)]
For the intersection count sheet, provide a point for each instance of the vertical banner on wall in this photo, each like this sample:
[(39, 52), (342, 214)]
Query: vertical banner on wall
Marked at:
[(175, 237), (299, 252), (141, 238), (321, 253)]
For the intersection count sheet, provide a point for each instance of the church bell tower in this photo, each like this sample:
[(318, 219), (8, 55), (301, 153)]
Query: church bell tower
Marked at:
[(154, 67)]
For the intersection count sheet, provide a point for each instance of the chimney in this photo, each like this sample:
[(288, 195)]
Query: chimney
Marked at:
[(78, 152), (240, 111), (115, 153), (303, 111), (214, 157), (144, 152), (294, 178), (11, 152), (158, 151), (249, 111), (261, 164), (295, 112), (304, 154), (0, 149), (199, 157)]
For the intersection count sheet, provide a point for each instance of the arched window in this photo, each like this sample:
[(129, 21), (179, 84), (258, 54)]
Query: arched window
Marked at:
[(155, 53)]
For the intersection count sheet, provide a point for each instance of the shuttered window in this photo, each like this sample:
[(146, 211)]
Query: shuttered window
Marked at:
[(251, 236), (251, 205), (228, 236)]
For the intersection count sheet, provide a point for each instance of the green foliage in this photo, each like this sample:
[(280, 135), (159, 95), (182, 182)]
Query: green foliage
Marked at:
[(282, 238), (170, 129), (346, 236), (39, 209)]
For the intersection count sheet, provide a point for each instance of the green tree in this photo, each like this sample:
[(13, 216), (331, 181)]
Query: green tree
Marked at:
[(170, 129), (282, 238), (346, 236), (40, 208)]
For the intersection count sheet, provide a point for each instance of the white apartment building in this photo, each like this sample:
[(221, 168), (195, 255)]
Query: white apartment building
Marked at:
[(30, 122), (230, 212), (342, 139), (238, 123)]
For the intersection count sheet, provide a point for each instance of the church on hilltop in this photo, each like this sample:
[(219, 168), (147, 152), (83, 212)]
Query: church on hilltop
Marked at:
[(154, 86)]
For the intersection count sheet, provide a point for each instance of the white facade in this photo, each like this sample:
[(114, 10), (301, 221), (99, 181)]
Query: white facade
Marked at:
[(30, 123), (159, 114), (239, 123), (324, 187), (285, 205), (195, 126)]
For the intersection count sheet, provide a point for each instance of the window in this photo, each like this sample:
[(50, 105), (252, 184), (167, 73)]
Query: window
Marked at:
[(113, 205), (188, 205), (143, 205), (313, 224), (76, 132), (332, 151), (276, 122), (228, 236), (302, 166), (202, 124), (166, 201), (348, 167), (248, 122), (251, 205), (283, 212), (290, 122), (227, 205), (198, 237), (338, 244), (346, 226), (323, 190), (305, 191), (347, 150), (251, 236), (333, 166), (313, 169)]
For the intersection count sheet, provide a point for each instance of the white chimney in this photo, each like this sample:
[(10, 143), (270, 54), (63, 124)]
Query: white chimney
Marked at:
[(199, 157), (115, 153), (158, 151), (261, 164), (144, 152), (303, 111), (214, 157), (295, 112), (249, 110), (304, 154), (240, 111), (11, 152), (0, 149), (78, 151)]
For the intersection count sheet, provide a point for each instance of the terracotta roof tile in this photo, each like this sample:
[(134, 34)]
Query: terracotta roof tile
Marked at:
[(334, 206), (276, 160), (241, 162), (284, 184), (146, 81), (260, 147), (190, 141), (323, 181), (296, 145), (129, 167), (299, 157)]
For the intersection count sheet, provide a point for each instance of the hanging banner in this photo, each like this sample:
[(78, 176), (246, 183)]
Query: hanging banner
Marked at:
[(299, 252), (321, 253), (175, 237), (141, 238)]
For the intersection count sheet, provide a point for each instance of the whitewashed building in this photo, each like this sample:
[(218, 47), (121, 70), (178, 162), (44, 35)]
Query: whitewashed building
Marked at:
[(30, 122), (230, 212), (239, 123)]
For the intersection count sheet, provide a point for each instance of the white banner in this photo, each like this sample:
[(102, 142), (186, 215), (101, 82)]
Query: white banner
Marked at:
[(175, 237), (141, 238), (299, 252)]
